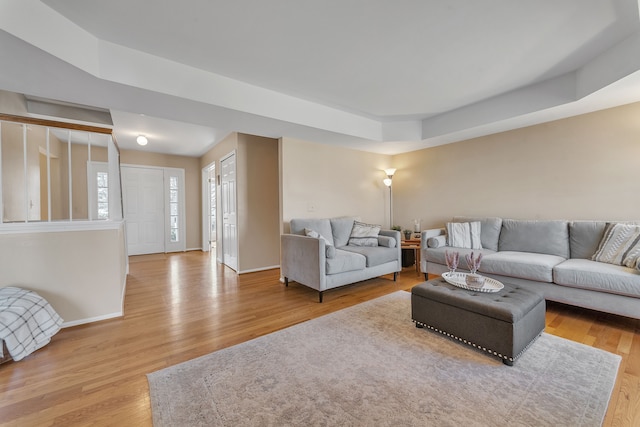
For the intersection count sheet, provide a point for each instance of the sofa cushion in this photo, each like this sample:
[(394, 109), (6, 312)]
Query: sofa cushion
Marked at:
[(542, 237), (345, 261), (490, 228), (375, 255), (598, 276), (464, 235), (525, 265), (620, 245), (584, 238), (341, 228), (364, 234), (436, 255), (321, 226)]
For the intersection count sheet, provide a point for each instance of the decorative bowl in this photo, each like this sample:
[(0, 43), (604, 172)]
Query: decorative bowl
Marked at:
[(474, 280)]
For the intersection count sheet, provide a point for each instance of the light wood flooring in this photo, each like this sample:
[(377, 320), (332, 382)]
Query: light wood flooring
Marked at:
[(182, 306)]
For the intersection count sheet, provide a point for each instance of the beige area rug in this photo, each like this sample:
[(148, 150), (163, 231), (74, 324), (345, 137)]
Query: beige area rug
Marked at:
[(368, 365)]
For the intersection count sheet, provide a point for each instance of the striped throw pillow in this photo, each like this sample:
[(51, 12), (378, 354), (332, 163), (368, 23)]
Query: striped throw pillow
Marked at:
[(464, 235), (364, 234), (620, 245)]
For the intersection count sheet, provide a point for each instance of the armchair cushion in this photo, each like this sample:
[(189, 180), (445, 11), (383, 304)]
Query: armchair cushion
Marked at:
[(345, 261), (374, 255), (330, 250), (321, 226), (341, 228)]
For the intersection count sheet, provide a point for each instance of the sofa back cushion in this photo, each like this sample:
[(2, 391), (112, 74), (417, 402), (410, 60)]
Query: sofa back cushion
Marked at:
[(584, 238), (341, 229), (321, 226), (489, 229), (542, 237)]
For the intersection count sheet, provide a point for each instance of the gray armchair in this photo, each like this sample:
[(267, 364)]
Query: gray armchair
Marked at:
[(328, 261)]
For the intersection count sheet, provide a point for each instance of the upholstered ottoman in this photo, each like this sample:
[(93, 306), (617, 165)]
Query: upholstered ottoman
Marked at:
[(501, 323)]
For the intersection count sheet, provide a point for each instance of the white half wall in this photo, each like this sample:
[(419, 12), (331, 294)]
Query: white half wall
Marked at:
[(82, 274)]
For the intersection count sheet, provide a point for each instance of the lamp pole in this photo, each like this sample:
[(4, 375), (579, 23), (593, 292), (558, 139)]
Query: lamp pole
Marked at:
[(388, 181), (390, 208)]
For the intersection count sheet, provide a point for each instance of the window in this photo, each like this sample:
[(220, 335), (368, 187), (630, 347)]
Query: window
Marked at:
[(174, 199), (103, 195)]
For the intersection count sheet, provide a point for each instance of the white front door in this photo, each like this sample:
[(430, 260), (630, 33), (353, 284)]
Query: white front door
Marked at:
[(144, 211), (228, 203)]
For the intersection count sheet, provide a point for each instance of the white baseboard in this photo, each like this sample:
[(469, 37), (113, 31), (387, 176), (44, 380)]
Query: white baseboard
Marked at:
[(92, 319), (273, 267)]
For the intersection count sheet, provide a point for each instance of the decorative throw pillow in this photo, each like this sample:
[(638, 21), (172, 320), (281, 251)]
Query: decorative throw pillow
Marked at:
[(464, 235), (330, 250), (620, 245), (364, 234)]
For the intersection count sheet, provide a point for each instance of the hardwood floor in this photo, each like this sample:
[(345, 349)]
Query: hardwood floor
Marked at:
[(182, 306)]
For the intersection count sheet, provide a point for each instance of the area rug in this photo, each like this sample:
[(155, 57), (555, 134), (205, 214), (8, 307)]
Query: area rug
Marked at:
[(368, 365)]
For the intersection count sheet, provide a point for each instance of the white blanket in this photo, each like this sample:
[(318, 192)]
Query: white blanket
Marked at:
[(27, 321)]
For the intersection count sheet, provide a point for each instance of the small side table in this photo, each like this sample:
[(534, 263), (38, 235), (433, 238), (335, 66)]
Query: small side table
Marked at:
[(415, 245)]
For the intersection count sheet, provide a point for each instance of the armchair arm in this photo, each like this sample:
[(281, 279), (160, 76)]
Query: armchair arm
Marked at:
[(392, 233), (303, 260), (396, 235)]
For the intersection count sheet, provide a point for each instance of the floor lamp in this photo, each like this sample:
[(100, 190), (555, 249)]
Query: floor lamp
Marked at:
[(387, 181)]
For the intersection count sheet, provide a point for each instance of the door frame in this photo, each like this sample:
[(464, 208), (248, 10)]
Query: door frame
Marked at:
[(206, 206)]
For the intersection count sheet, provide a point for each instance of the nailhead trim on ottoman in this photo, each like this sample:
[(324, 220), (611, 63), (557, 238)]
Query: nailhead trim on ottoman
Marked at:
[(503, 323)]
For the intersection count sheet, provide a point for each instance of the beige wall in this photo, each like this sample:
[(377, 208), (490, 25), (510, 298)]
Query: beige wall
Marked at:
[(258, 207), (192, 178), (585, 167), (80, 273), (257, 194), (221, 149), (13, 171), (321, 181)]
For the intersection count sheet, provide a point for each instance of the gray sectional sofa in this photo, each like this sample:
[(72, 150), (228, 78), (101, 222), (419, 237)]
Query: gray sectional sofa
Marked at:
[(329, 262), (553, 257)]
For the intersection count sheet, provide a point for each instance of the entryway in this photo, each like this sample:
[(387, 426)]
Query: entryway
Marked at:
[(154, 211)]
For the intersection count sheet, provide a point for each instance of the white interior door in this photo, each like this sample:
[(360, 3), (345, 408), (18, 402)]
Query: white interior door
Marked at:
[(143, 195), (228, 203)]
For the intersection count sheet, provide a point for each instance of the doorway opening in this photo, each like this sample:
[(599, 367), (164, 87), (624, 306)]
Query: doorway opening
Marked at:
[(209, 197)]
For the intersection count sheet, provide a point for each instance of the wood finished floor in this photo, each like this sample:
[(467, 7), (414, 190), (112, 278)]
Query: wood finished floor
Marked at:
[(182, 306)]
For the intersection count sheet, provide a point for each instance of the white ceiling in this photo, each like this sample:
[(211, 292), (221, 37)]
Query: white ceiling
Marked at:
[(374, 75)]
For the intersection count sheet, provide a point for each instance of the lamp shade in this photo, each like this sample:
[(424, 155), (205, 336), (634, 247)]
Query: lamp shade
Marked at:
[(387, 182), (390, 172)]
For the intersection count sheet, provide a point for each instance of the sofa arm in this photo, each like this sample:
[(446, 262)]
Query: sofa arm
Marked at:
[(427, 234), (303, 260)]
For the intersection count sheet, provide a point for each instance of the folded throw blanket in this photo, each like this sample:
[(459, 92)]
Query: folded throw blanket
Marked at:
[(27, 321)]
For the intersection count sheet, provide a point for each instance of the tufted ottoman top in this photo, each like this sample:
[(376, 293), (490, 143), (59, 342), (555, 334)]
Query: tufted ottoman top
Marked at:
[(509, 304)]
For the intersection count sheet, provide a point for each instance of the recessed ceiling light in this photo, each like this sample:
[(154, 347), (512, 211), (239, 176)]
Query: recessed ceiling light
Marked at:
[(142, 140)]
